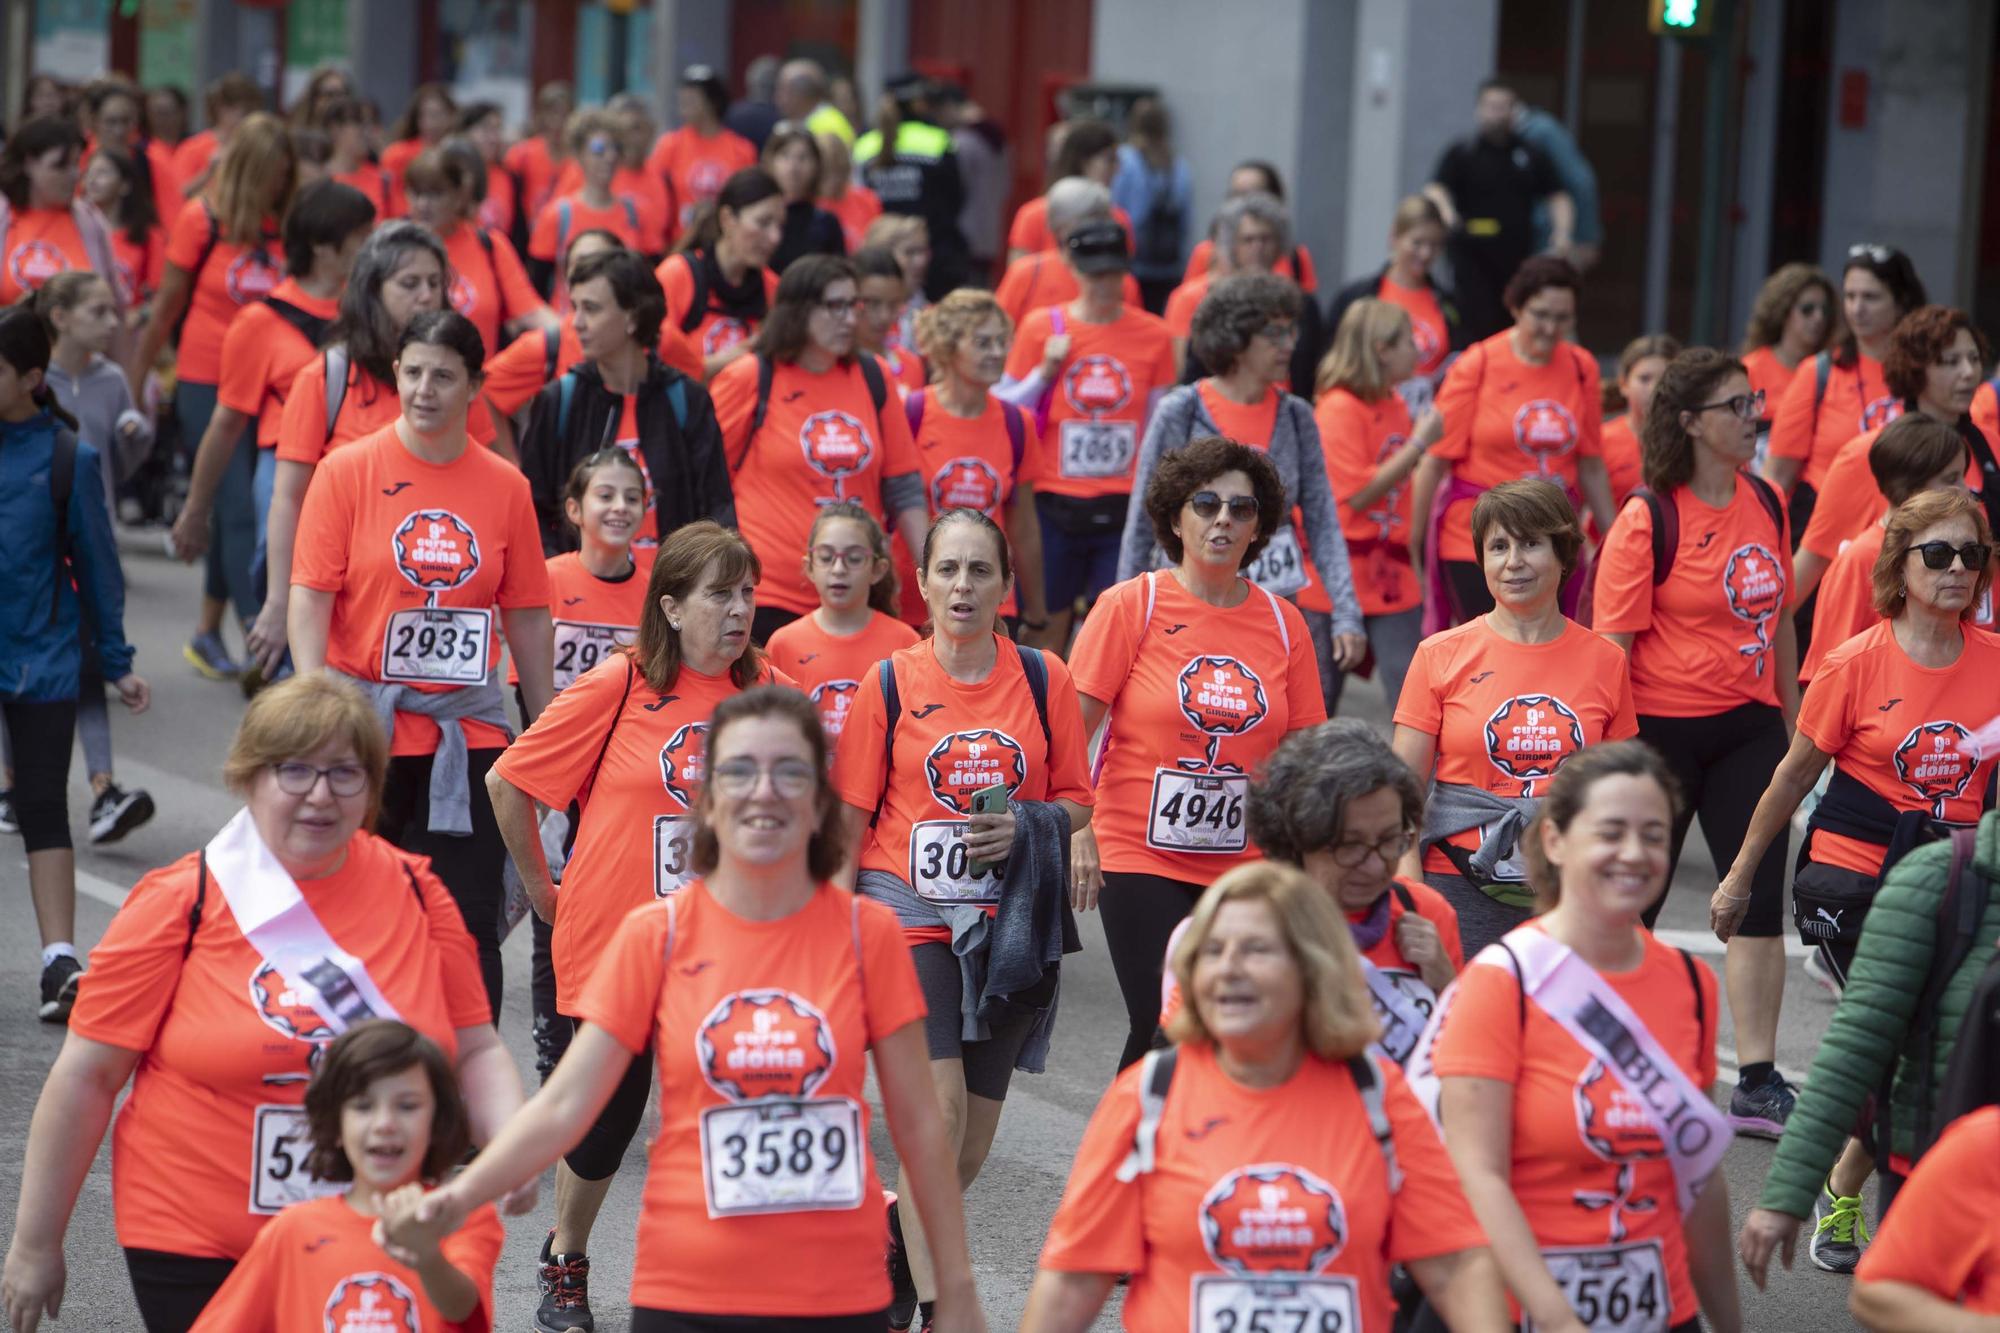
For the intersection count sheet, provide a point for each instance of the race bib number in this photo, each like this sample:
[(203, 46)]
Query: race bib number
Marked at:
[(673, 853), (940, 865), (1614, 1289), (1094, 450), (785, 1156), (579, 647), (438, 645), (1280, 568), (278, 1175), (1224, 1304), (1197, 812)]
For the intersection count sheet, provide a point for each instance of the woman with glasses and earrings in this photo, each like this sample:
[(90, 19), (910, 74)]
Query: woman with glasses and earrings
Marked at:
[(626, 740), (1526, 402), (210, 995), (1245, 331), (1693, 582)]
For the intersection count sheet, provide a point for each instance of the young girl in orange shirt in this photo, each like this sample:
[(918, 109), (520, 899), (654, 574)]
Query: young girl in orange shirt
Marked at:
[(832, 650)]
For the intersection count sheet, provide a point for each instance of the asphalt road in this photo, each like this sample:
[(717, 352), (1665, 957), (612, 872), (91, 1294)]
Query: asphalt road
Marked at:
[(176, 751)]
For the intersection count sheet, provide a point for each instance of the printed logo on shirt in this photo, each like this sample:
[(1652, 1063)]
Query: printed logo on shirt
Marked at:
[(371, 1301), (1936, 760), (32, 263), (965, 483), (1273, 1218), (681, 762), (705, 180), (1429, 341), (966, 761), (723, 333), (1545, 431), (1097, 385), (1221, 696), (436, 550), (251, 277), (1754, 582), (1530, 735), (833, 698), (1881, 411), (1387, 514), (1883, 708), (1619, 1128), (764, 1043), (836, 445), (464, 296), (284, 1010)]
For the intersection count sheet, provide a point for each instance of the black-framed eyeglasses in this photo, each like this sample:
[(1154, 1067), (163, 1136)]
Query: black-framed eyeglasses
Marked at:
[(790, 778), (1742, 406), (1389, 847), (1207, 504), (842, 308), (1881, 254), (1937, 555), (296, 779), (1279, 333)]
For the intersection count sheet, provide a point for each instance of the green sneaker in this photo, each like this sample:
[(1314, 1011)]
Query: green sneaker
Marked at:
[(1840, 1231)]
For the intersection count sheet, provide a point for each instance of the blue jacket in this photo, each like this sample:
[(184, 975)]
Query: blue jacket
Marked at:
[(1134, 189), (40, 658), (1538, 129)]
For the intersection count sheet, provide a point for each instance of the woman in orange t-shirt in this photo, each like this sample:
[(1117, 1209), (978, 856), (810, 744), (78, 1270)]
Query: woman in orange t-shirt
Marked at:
[(1087, 149), (760, 988), (1267, 1170), (138, 242), (719, 283), (882, 292), (594, 139), (538, 160), (832, 651), (1791, 321), (44, 228), (1640, 366), (484, 124), (443, 188), (430, 114), (851, 203), (1935, 1259), (1416, 239), (1714, 663), (218, 1030), (697, 158), (982, 778), (1563, 1154)]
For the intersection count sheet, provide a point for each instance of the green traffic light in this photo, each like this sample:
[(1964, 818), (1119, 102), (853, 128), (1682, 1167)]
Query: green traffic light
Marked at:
[(1680, 13)]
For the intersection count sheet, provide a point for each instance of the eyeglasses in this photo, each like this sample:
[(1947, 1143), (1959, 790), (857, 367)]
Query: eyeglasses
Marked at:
[(1937, 555), (1390, 848), (1881, 254), (600, 146), (790, 778), (1279, 333), (840, 309), (1207, 504), (1743, 406), (854, 557), (342, 779)]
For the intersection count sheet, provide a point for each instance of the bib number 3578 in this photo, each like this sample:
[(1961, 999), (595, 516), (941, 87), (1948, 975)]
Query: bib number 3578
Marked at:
[(438, 645), (1224, 1304), (1614, 1289)]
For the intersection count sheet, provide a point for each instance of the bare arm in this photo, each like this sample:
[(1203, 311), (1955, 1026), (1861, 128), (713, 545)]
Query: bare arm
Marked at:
[(930, 1165), (1782, 472), (1711, 1266), (1085, 869), (1902, 1307), (1399, 464), (1418, 749), (1440, 196), (169, 303), (854, 821), (1793, 778), (268, 636), (1808, 568), (1065, 1302), (1464, 1288), (514, 812), (531, 638), (1024, 534), (1562, 221), (491, 1083), (1787, 653), (1423, 495), (1595, 483), (211, 460), (309, 622)]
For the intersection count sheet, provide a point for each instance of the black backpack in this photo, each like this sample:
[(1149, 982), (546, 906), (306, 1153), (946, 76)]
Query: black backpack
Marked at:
[(1158, 243), (1667, 538)]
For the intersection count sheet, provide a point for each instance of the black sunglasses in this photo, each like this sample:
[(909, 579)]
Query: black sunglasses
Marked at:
[(1937, 555), (1207, 504)]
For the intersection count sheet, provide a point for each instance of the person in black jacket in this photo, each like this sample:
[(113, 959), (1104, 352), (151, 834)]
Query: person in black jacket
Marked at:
[(791, 155), (622, 393), (1416, 238)]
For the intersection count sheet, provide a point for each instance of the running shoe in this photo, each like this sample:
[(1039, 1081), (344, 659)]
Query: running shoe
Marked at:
[(1816, 968), (115, 812), (207, 654), (1761, 1111), (1840, 1231), (565, 1284), (902, 1286), (8, 824), (59, 980)]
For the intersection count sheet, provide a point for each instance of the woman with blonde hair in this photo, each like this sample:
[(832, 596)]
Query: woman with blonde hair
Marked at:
[(1416, 239), (1794, 318), (851, 202)]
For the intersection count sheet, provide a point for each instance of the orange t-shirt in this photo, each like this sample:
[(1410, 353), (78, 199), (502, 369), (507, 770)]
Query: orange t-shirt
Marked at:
[(1857, 399), (1428, 327), (855, 209), (1846, 603), (317, 1267), (822, 440), (969, 464), (221, 1034), (232, 277), (1190, 719), (718, 331), (1202, 258), (262, 355), (1030, 229), (1505, 715), (830, 667), (367, 406), (697, 167), (1849, 500), (520, 369), (1769, 376), (1623, 458), (953, 740), (140, 264), (537, 166), (1357, 438), (644, 189), (38, 244), (1938, 1234), (623, 219), (373, 182), (1271, 1182), (757, 1020), (396, 159), (418, 555), (1705, 639), (193, 154), (592, 616), (904, 368), (498, 209), (1589, 1169), (1986, 412), (1903, 731), (1505, 419), (635, 767), (488, 288), (1184, 301), (1042, 279), (1103, 395)]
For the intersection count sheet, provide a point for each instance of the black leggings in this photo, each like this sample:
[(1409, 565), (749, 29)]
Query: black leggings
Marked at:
[(1467, 579), (470, 866), (989, 1064), (173, 1289), (597, 1155), (1140, 913), (41, 732), (674, 1321), (1723, 764)]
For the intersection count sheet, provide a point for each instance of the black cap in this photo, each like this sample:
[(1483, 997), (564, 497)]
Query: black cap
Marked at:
[(1099, 247), (908, 87)]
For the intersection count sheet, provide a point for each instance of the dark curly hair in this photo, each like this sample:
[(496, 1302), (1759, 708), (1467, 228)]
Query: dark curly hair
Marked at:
[(1186, 470), (1298, 803), (1538, 273), (1666, 448), (1234, 311), (1919, 341), (365, 1052)]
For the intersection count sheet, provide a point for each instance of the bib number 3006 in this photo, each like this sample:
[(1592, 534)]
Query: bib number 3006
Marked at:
[(437, 645), (784, 1156), (278, 1175), (941, 865), (1616, 1289), (1274, 1305)]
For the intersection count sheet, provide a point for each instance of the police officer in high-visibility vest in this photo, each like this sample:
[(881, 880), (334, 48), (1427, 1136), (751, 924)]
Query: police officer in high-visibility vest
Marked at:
[(908, 160)]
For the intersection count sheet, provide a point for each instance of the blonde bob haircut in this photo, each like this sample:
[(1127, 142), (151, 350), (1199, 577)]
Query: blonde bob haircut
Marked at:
[(1926, 509), (942, 327), (1337, 1021), (307, 712), (1352, 363)]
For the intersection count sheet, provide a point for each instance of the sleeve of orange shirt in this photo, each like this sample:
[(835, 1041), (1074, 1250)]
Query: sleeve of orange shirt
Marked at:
[(1480, 1036), (302, 428), (136, 966), (623, 993), (1069, 764), (1590, 420), (677, 285), (1986, 413), (189, 235), (892, 993), (518, 296), (1938, 1234), (1107, 646), (514, 373), (478, 424), (1099, 1226), (1624, 589), (542, 237), (1793, 420), (1458, 403), (678, 350), (1625, 723), (326, 527), (465, 993), (553, 758), (1186, 299), (1025, 356), (247, 352), (734, 393), (1826, 715), (1021, 231), (1429, 1216), (1421, 707), (860, 768)]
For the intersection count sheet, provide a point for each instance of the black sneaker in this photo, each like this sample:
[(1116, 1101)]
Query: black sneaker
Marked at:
[(565, 1283), (1761, 1112), (59, 988), (902, 1286), (115, 812), (8, 824)]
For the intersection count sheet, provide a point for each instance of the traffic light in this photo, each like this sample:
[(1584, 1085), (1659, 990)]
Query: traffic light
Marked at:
[(1680, 18)]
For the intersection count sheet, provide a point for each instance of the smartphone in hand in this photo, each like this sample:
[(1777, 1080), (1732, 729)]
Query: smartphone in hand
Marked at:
[(987, 801)]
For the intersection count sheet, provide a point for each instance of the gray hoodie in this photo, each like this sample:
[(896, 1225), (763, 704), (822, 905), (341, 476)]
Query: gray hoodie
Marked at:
[(98, 399)]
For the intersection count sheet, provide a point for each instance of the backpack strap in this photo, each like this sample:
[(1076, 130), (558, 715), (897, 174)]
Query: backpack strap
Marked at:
[(631, 213), (1767, 495), (309, 326), (200, 900), (1520, 983), (1284, 632), (878, 385), (565, 393), (333, 362), (765, 373), (892, 706), (1156, 1076), (1403, 896), (485, 243), (1700, 1003), (1368, 1082), (416, 890), (631, 672), (551, 353), (1666, 532), (677, 401), (913, 408), (1036, 668), (62, 485), (697, 310), (1822, 373)]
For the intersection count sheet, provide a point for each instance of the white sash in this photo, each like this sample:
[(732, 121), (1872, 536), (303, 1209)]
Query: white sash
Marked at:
[(274, 916)]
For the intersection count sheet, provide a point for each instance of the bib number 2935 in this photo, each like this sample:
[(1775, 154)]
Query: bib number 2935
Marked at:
[(438, 645)]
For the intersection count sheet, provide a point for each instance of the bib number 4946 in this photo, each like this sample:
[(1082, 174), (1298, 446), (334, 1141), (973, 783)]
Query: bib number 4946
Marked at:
[(1197, 812)]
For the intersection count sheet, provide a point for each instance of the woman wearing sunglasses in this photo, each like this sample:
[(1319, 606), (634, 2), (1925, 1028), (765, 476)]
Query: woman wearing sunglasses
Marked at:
[(1692, 582), (1791, 321)]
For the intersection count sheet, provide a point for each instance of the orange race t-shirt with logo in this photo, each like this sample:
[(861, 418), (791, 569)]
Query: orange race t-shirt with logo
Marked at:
[(633, 758), (1505, 419), (822, 440), (317, 1269), (1043, 279), (1857, 399), (231, 277), (366, 406), (1623, 459), (226, 1045), (622, 218), (753, 1024), (536, 165), (1939, 1232), (38, 244), (966, 463), (1705, 640), (697, 166), (1098, 406), (1030, 229), (1357, 437), (593, 617), (1849, 500), (718, 330), (499, 208), (1769, 376), (420, 557), (1505, 715), (1199, 696), (193, 154), (1281, 1183), (262, 355), (952, 741), (1202, 258), (490, 288), (644, 190), (1904, 731), (1589, 1169), (141, 264), (1428, 328), (831, 668)]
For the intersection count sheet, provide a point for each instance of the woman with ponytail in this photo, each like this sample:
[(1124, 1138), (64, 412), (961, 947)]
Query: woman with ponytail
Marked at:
[(833, 651), (720, 284)]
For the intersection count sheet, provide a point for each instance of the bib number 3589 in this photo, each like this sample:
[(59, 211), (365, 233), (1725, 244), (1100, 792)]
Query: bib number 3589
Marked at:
[(438, 645), (1614, 1289), (1224, 1304), (278, 1175), (782, 1156)]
